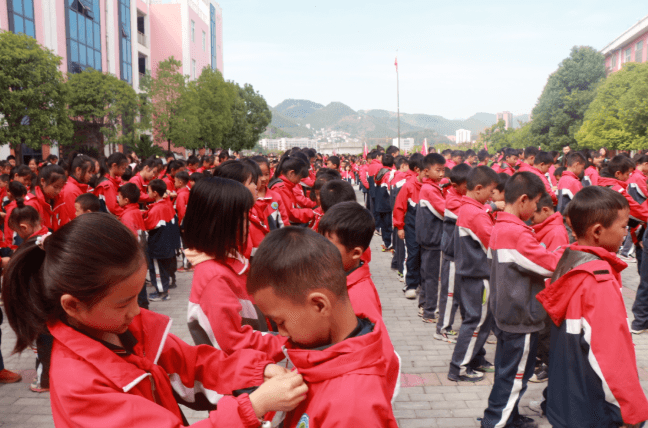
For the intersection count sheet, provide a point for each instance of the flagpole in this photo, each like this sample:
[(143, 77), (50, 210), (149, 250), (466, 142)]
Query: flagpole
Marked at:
[(398, 103)]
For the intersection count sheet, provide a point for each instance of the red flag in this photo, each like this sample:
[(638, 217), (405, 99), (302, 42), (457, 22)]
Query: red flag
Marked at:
[(405, 152), (396, 63), (485, 146), (334, 152), (424, 150), (366, 152)]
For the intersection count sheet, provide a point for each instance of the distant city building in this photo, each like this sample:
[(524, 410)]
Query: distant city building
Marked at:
[(405, 143), (462, 136), (283, 144), (630, 46), (507, 117), (350, 147)]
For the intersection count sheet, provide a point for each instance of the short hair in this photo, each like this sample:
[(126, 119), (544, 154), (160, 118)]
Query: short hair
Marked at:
[(399, 161), (415, 161), (17, 189), (558, 171), (510, 152), (183, 176), (619, 163), (447, 152), (456, 153), (503, 179), (543, 157), (640, 159), (23, 214), (331, 174), (130, 192), (89, 202), (594, 204), (292, 261), (391, 150), (531, 151), (459, 173), (575, 157), (21, 171), (544, 201), (196, 176), (481, 175), (334, 192), (388, 160), (523, 183), (334, 160), (158, 186), (433, 159), (353, 225), (4, 178), (483, 155), (193, 160)]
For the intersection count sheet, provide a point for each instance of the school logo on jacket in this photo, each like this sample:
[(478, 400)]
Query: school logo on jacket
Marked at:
[(274, 205), (303, 421)]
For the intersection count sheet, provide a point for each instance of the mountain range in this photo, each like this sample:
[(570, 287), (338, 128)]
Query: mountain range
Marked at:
[(291, 117)]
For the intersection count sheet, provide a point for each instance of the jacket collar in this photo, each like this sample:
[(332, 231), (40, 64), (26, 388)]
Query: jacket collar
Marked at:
[(358, 274), (504, 217), (556, 219), (74, 181), (611, 182), (567, 173)]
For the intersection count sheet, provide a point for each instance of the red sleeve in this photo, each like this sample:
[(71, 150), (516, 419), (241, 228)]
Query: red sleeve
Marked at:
[(181, 206), (296, 215), (67, 212), (151, 219), (363, 177), (482, 227), (144, 196), (557, 238), (365, 300), (638, 212), (301, 199), (535, 257), (400, 207), (283, 211)]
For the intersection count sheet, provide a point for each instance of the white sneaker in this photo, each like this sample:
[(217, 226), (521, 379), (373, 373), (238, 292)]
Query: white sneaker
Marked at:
[(535, 406), (633, 331), (410, 294)]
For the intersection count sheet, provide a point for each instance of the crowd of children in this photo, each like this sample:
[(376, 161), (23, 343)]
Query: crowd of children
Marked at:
[(285, 318)]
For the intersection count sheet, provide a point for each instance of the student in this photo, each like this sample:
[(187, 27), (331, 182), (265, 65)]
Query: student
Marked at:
[(109, 357), (193, 162), (172, 169), (15, 190), (196, 177), (594, 380), (405, 221), (484, 157), (144, 173), (161, 224), (429, 231), (399, 178), (110, 179), (519, 268), (448, 297), (80, 171), (207, 164), (595, 162), (615, 176), (221, 313), (181, 181), (86, 203), (471, 240), (131, 217), (381, 198), (288, 174), (333, 162), (570, 183), (268, 201), (335, 192), (637, 187), (375, 164), (47, 200), (540, 163), (297, 279), (349, 226), (510, 159)]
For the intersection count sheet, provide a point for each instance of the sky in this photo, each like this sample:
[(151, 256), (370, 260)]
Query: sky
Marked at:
[(455, 58)]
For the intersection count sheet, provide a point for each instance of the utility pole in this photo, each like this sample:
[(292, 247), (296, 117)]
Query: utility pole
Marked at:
[(397, 102)]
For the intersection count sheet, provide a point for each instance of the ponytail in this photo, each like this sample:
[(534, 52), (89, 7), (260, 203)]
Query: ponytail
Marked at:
[(79, 160), (105, 164), (291, 163), (23, 214)]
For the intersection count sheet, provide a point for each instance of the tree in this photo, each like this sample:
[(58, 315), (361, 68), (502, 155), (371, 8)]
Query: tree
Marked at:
[(618, 116), (32, 95), (145, 147), (560, 110), (251, 116), (103, 103), (164, 93)]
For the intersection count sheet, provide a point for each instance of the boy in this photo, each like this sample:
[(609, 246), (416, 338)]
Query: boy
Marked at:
[(570, 183), (510, 159), (484, 157), (471, 239), (593, 371), (591, 174), (518, 271), (128, 198), (404, 219), (192, 164), (297, 279), (180, 181), (540, 163), (400, 177), (381, 198), (333, 162), (448, 303), (429, 230), (163, 239), (372, 169), (86, 203)]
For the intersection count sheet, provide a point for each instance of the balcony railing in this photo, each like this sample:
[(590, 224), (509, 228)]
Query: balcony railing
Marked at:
[(141, 39)]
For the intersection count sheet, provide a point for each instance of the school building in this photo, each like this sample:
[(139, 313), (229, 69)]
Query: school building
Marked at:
[(630, 46)]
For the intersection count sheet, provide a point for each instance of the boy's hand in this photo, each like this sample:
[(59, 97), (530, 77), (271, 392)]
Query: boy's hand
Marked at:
[(500, 205), (401, 234), (281, 393), (272, 370)]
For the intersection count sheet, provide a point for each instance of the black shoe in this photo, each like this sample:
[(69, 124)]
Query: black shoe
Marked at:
[(173, 285), (539, 376), (486, 367), (524, 422), (469, 376)]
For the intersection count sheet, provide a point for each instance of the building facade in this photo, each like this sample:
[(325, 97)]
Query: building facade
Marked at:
[(507, 117), (462, 136), (283, 144), (630, 46), (405, 143)]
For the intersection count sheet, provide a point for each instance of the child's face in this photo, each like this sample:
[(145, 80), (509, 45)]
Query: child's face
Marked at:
[(527, 207), (153, 195), (483, 193), (25, 230), (52, 190), (623, 176), (264, 179), (540, 216), (121, 200), (179, 184), (330, 165), (78, 210), (350, 258), (511, 160), (435, 172), (461, 188), (404, 167), (612, 237), (643, 167), (578, 169), (3, 184), (597, 161), (497, 195), (457, 159), (25, 180), (543, 167), (252, 187)]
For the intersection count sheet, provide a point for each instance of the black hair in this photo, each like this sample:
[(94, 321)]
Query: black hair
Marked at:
[(459, 173), (209, 159), (618, 163), (558, 171), (433, 159), (334, 160), (128, 174), (23, 214), (192, 160), (51, 158), (174, 166), (446, 152), (90, 202), (503, 179), (509, 152), (158, 186), (226, 203), (223, 156), (183, 176), (295, 260), (399, 161), (332, 174), (481, 175), (543, 157), (131, 192), (261, 160), (85, 259), (17, 189), (150, 163), (292, 163), (391, 150), (50, 174), (594, 204), (237, 171), (523, 183), (482, 155), (196, 177), (254, 167), (79, 160), (531, 151), (334, 192), (415, 161), (20, 171), (117, 158), (544, 201), (4, 178), (388, 161), (353, 225), (456, 153), (575, 157), (641, 159), (11, 157), (169, 154)]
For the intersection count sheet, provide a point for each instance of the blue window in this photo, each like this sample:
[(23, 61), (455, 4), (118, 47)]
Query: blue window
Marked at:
[(83, 34), (125, 44), (212, 27), (21, 17)]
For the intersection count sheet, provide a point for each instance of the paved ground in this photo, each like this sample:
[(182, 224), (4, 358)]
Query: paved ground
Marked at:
[(427, 398)]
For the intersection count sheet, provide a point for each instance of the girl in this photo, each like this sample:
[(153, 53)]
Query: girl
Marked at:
[(145, 172), (33, 165), (268, 201), (112, 363), (207, 163), (47, 200), (80, 170), (173, 168), (110, 179), (290, 171), (15, 190), (221, 313)]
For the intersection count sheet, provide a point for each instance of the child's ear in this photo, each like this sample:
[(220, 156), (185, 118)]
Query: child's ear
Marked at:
[(24, 227), (356, 253), (71, 305), (596, 230), (320, 303), (523, 198)]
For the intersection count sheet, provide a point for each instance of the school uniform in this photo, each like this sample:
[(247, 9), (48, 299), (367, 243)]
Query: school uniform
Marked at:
[(170, 183), (132, 218), (639, 191), (11, 238), (221, 313), (449, 163), (383, 207), (316, 219), (638, 212), (590, 176), (346, 381), (364, 184), (448, 297), (258, 229), (71, 191), (273, 209), (506, 168), (396, 183), (180, 204), (374, 166), (95, 383), (107, 191), (142, 185), (519, 268), (163, 240), (568, 186), (404, 218), (49, 213), (535, 171), (429, 231), (472, 235), (593, 378), (297, 214)]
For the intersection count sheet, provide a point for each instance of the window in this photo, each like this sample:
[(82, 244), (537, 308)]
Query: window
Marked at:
[(21, 17), (193, 32), (212, 29), (125, 43), (204, 40), (613, 62), (639, 52), (83, 34), (628, 55), (193, 68)]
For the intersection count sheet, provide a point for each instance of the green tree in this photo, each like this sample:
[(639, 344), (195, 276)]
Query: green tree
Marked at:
[(251, 116), (32, 95), (496, 137), (103, 103), (145, 147), (164, 93), (618, 116), (560, 110)]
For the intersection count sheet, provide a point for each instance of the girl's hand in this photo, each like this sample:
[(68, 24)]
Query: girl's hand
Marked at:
[(272, 370), (281, 393)]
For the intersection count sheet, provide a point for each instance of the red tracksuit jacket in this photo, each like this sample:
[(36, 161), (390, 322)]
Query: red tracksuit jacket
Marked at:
[(258, 229), (552, 232), (8, 232), (132, 218), (568, 186), (48, 215), (590, 177), (296, 212), (180, 204), (363, 175), (70, 192), (637, 212), (532, 169), (316, 219), (346, 384), (222, 314), (408, 196), (142, 186), (93, 386), (107, 191), (273, 209)]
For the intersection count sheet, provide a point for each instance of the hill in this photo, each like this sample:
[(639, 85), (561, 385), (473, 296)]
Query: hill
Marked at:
[(297, 109)]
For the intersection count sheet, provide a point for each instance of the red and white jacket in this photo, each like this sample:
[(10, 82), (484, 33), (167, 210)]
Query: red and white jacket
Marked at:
[(552, 232), (532, 169), (568, 186), (49, 216), (273, 209), (258, 229), (107, 191), (94, 386), (9, 234), (142, 186), (296, 213), (639, 213), (590, 176), (180, 204), (72, 190), (132, 218)]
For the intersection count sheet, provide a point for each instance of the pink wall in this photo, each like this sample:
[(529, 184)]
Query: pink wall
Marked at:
[(4, 16), (61, 43), (142, 6), (620, 53), (219, 42), (165, 34), (203, 58)]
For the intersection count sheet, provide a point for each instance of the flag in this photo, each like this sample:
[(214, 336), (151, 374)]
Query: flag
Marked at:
[(485, 146), (405, 152), (424, 150), (396, 63), (334, 152), (366, 152)]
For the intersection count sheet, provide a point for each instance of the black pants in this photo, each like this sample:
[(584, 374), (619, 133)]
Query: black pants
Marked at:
[(398, 260), (544, 340), (412, 259), (384, 224), (430, 269), (640, 305), (514, 364), (448, 298)]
